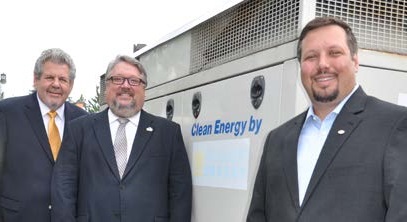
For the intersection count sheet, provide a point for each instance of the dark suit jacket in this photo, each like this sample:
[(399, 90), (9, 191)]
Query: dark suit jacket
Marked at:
[(26, 161), (156, 185), (360, 175)]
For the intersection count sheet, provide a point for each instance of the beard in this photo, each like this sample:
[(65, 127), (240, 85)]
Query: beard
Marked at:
[(124, 111), (54, 106), (324, 97)]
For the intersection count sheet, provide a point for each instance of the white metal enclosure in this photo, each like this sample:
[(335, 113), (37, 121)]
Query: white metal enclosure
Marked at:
[(234, 76)]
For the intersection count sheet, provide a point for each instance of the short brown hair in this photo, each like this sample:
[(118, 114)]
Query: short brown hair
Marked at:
[(326, 21)]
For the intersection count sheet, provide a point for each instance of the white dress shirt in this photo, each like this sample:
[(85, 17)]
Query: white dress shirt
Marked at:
[(131, 129), (59, 118)]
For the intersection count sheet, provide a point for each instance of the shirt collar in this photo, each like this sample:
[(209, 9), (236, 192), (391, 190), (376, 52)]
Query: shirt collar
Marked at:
[(338, 108), (113, 117), (45, 109)]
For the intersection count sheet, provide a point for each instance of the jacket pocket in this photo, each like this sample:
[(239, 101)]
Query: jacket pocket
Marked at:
[(9, 204)]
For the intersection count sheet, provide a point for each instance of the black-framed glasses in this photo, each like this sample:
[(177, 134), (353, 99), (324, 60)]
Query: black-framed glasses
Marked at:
[(118, 80)]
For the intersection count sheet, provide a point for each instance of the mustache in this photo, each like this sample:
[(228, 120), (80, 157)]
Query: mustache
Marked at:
[(57, 91), (325, 72), (125, 91)]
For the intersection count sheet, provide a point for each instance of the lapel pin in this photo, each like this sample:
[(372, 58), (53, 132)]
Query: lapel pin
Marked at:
[(340, 132), (149, 129)]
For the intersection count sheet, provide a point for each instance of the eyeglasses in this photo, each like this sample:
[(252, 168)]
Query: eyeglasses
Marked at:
[(118, 80)]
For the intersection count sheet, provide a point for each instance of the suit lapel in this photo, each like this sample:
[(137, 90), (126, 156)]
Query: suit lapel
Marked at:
[(290, 158), (68, 112), (33, 113), (346, 121), (68, 116), (101, 128), (145, 130)]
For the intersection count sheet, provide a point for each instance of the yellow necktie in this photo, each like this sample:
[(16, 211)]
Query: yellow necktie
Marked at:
[(53, 135)]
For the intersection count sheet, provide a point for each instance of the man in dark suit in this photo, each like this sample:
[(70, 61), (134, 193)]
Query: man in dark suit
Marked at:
[(344, 159), (26, 157), (95, 180)]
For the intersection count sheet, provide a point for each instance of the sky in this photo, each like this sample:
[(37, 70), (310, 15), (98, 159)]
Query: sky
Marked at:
[(92, 32)]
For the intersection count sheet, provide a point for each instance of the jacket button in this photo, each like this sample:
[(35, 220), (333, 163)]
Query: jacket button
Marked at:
[(49, 207)]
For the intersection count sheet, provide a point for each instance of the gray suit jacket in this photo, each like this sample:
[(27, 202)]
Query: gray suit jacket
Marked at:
[(26, 160), (360, 175), (156, 185)]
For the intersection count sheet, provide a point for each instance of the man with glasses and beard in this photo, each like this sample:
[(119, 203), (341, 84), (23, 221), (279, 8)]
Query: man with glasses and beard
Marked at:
[(123, 164)]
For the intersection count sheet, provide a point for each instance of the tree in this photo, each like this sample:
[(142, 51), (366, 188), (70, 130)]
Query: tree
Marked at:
[(92, 105)]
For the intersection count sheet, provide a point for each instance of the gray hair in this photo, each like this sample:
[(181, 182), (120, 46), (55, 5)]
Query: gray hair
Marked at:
[(57, 56), (127, 59)]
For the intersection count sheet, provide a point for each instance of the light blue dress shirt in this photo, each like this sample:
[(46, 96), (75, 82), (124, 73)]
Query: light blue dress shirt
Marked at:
[(312, 138)]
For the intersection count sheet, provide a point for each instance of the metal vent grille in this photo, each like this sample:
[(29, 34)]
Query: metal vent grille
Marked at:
[(247, 28), (378, 24)]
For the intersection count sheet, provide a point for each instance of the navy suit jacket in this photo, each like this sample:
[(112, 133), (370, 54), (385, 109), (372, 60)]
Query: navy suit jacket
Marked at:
[(156, 185), (360, 175), (26, 160)]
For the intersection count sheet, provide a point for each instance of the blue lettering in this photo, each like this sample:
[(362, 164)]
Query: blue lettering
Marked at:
[(218, 126), (237, 128), (254, 125), (198, 130)]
